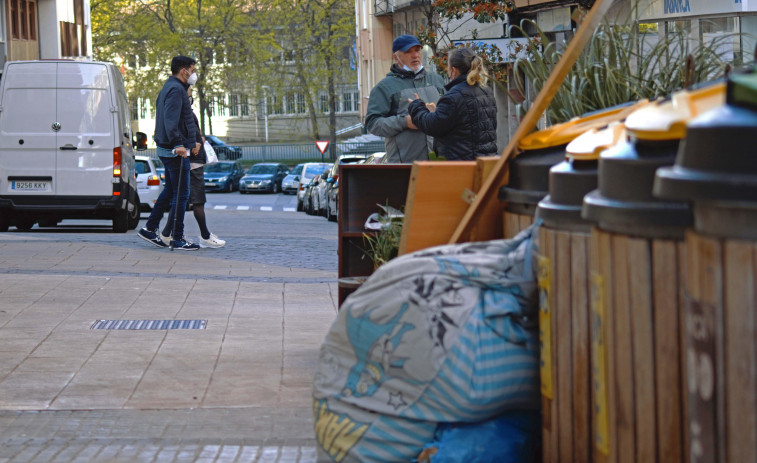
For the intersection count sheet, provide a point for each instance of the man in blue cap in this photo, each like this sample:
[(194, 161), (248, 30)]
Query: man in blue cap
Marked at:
[(387, 114)]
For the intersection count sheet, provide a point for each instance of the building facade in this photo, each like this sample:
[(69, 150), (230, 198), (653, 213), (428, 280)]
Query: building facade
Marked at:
[(45, 29)]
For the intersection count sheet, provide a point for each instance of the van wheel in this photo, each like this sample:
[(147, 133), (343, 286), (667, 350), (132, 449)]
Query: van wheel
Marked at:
[(25, 223), (134, 214), (121, 222)]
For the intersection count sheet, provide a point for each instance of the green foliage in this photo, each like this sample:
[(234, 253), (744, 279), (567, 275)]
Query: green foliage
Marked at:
[(621, 63), (383, 245)]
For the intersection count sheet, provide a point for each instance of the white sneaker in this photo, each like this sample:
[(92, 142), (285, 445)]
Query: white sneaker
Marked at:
[(165, 239), (212, 242)]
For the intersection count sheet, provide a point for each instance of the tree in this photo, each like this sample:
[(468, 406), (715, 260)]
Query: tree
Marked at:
[(222, 35), (319, 36)]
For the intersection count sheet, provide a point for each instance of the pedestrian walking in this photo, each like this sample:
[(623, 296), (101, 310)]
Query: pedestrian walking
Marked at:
[(387, 114), (197, 188), (175, 137), (464, 120)]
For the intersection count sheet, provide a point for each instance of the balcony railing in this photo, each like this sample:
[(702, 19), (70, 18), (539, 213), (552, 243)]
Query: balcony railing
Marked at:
[(383, 7)]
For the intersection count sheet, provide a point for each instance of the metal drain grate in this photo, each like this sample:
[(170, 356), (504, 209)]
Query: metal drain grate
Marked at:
[(149, 325)]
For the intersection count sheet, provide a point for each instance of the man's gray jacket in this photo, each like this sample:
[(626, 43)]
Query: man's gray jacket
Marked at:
[(387, 108)]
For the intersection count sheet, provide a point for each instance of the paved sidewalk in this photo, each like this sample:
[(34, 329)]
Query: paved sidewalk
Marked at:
[(238, 390)]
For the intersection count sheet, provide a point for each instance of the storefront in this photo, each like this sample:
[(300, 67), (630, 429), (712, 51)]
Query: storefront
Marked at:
[(729, 25)]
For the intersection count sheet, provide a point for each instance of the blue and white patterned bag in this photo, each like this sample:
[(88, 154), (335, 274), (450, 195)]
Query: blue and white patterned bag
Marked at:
[(446, 334)]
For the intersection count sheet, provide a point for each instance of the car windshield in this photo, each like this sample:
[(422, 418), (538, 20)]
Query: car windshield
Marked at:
[(260, 169), (218, 167), (158, 163), (314, 169), (213, 140), (297, 170)]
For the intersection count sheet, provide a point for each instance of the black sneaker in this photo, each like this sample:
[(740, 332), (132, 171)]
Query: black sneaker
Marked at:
[(151, 237), (184, 245)]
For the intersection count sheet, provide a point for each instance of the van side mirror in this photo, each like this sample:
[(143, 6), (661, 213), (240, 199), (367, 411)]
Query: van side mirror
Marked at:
[(141, 143)]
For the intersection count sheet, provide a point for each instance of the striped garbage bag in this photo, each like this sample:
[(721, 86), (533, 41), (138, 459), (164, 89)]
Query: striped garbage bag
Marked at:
[(446, 334)]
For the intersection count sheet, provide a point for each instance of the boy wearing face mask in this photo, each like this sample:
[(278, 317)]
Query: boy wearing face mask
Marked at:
[(387, 114), (175, 137)]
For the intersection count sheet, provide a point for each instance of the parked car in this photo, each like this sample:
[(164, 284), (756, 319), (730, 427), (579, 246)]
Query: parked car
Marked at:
[(160, 169), (224, 151), (331, 203), (376, 158), (309, 170), (263, 177), (223, 176), (291, 182), (149, 185), (317, 191), (307, 200)]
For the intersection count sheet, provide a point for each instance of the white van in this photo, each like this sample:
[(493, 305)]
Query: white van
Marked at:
[(65, 145)]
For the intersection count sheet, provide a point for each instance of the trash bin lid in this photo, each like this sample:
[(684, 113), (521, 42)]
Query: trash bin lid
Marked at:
[(529, 179), (569, 181), (587, 146), (624, 203), (666, 119)]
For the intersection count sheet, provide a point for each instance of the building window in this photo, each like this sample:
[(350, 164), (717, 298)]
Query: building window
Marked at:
[(245, 105), (325, 104), (142, 108), (134, 109), (233, 105), (347, 102), (289, 103), (221, 99), (300, 99)]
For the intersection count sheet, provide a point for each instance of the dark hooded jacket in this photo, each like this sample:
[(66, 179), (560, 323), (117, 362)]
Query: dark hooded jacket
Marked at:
[(464, 124), (174, 119)]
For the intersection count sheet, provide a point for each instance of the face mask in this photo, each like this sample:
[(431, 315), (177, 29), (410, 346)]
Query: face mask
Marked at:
[(192, 79), (191, 100), (410, 70)]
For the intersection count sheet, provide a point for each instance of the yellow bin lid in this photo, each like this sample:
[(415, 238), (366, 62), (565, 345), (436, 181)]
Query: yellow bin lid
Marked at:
[(588, 145), (564, 133), (666, 120)]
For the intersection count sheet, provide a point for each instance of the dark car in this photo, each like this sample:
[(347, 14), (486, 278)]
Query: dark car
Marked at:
[(223, 176), (223, 150), (263, 177), (331, 205)]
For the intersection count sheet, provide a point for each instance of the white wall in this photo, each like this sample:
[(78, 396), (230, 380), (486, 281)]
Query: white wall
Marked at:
[(49, 30)]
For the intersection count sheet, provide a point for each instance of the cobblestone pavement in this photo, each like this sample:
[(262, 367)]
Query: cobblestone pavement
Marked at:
[(237, 391)]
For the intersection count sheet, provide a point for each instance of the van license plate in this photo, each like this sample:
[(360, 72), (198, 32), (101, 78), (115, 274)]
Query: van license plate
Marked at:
[(17, 185)]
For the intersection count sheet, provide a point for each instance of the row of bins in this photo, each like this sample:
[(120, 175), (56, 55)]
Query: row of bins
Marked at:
[(647, 256)]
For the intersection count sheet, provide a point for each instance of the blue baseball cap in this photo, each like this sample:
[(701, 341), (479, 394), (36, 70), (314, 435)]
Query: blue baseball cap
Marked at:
[(404, 43)]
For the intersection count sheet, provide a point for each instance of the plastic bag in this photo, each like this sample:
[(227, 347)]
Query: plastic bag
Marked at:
[(210, 153), (513, 437)]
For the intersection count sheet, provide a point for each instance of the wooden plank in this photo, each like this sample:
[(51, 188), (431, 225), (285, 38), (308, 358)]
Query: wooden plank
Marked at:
[(702, 348), (670, 393), (642, 322), (489, 224), (511, 224), (488, 192), (548, 373), (581, 340), (563, 331), (602, 348), (622, 382), (525, 221), (740, 361), (683, 262), (434, 203)]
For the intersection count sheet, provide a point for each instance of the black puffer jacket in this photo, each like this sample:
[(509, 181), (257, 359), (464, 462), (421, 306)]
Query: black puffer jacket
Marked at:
[(464, 123)]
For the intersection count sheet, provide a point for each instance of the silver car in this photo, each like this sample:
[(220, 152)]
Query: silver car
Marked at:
[(309, 170)]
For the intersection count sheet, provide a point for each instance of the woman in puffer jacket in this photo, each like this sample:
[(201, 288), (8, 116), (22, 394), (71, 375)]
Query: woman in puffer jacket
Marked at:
[(464, 121)]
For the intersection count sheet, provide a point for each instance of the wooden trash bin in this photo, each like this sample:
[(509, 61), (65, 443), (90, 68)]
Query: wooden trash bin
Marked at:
[(716, 169), (529, 171), (564, 324)]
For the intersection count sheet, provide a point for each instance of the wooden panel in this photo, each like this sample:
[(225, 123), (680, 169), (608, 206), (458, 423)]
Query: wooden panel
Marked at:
[(740, 388), (525, 221), (667, 350), (562, 331), (486, 201), (642, 321), (489, 224), (510, 224), (622, 328), (581, 340), (683, 262), (435, 203), (548, 371), (603, 422)]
